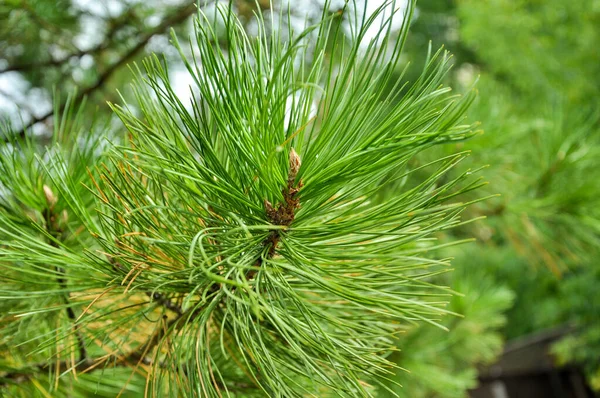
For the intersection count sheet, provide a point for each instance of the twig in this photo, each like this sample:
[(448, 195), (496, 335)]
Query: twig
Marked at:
[(165, 302), (117, 24), (55, 230), (158, 297)]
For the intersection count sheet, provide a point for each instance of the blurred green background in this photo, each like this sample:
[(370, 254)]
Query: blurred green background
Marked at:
[(533, 270)]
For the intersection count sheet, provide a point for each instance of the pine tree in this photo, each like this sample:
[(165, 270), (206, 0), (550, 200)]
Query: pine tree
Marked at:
[(238, 244)]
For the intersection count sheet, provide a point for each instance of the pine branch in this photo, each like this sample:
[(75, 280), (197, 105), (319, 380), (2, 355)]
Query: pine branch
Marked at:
[(85, 365), (302, 273), (155, 296)]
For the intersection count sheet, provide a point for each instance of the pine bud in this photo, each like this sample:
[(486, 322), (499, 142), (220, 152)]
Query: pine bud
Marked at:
[(271, 212), (50, 198), (295, 163), (65, 216)]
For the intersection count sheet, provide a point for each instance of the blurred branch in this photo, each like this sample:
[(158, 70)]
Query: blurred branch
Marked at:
[(38, 19), (174, 19), (116, 25)]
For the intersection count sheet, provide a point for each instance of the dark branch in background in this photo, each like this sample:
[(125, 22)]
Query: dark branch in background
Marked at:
[(55, 230), (176, 18), (53, 62), (116, 25)]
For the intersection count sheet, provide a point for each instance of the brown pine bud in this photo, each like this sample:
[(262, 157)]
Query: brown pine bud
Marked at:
[(51, 199), (65, 216), (271, 212), (295, 164)]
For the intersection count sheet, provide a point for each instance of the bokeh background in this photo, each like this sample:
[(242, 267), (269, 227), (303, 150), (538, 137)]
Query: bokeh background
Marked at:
[(530, 281)]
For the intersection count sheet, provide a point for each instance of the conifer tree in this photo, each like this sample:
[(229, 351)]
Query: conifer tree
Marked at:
[(236, 245)]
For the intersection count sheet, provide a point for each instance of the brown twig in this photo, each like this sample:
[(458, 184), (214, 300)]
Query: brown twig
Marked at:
[(138, 356), (284, 213)]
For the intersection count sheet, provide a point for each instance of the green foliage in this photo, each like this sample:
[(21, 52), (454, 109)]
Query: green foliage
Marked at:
[(580, 307), (546, 225), (237, 245), (549, 207), (540, 47), (76, 45), (547, 222), (187, 244), (442, 363), (538, 81), (35, 21)]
